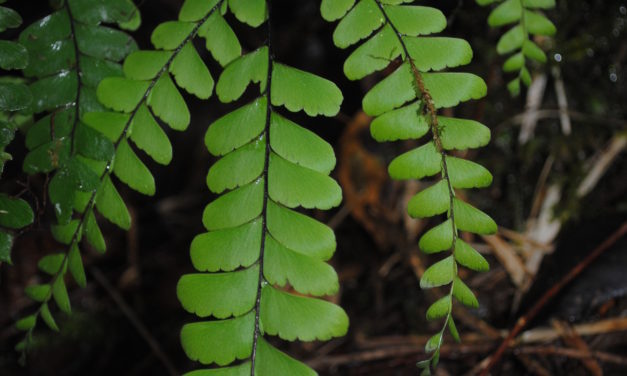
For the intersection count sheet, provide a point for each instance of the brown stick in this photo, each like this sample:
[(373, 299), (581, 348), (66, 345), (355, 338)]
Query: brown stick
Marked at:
[(390, 347), (573, 353), (550, 294), (572, 339)]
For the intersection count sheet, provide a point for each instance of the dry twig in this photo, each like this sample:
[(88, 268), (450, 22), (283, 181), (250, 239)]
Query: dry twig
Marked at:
[(537, 307)]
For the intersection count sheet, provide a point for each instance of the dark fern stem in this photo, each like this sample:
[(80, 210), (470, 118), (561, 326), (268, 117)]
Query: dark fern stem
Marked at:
[(266, 196)]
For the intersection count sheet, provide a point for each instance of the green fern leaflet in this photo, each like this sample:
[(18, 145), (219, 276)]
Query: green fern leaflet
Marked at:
[(406, 105), (258, 246)]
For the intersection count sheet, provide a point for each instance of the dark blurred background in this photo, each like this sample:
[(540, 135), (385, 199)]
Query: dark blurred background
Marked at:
[(558, 192)]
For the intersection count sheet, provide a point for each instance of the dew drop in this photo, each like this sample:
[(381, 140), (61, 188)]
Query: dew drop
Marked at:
[(56, 46)]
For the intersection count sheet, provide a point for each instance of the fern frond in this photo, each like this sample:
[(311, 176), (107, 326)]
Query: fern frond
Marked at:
[(92, 144), (257, 244), (15, 213), (405, 105), (70, 51), (527, 21)]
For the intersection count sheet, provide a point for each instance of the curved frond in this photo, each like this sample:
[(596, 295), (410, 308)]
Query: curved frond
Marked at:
[(405, 105), (70, 51), (79, 75)]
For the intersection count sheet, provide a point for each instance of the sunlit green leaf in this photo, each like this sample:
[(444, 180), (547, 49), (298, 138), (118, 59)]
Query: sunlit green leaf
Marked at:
[(441, 273), (237, 128), (402, 124), (195, 10), (219, 294), (439, 238), (439, 308), (293, 185), (468, 218), (301, 146), (168, 104), (469, 257), (227, 249), (332, 10), (171, 34), (252, 12), (358, 24), (190, 73), (220, 39), (462, 293), (252, 67), (132, 171), (300, 232), (305, 274), (248, 161), (417, 163), (291, 316), (205, 341), (299, 90), (148, 135), (507, 12), (404, 19), (431, 201), (271, 361), (235, 208)]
